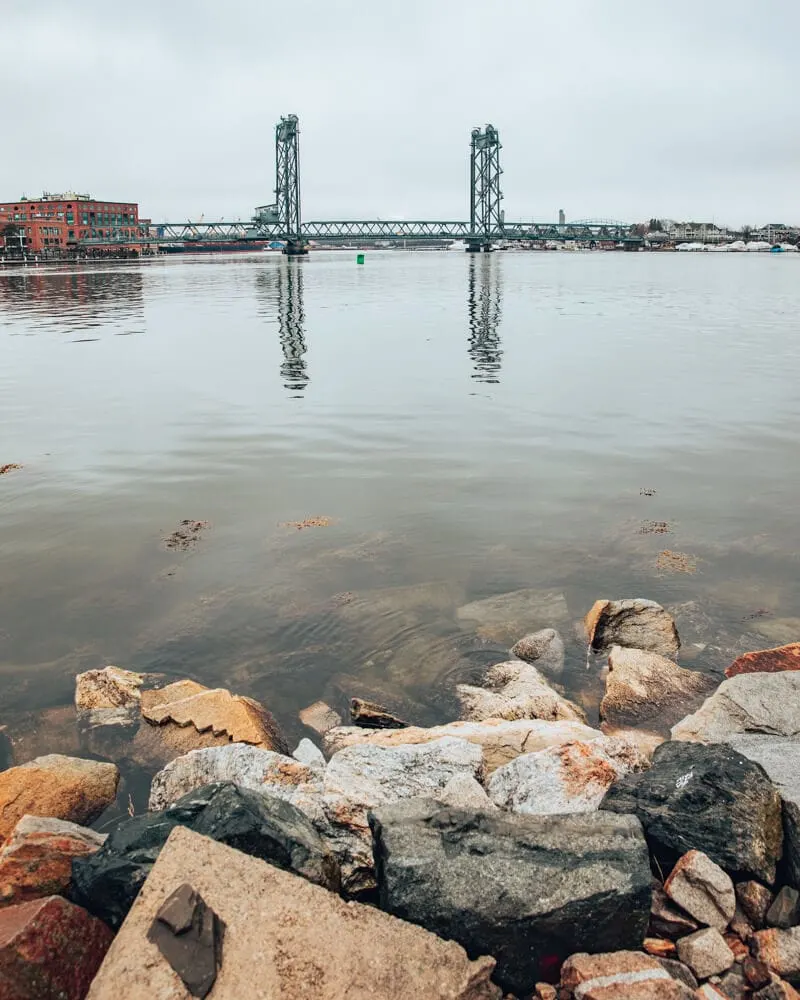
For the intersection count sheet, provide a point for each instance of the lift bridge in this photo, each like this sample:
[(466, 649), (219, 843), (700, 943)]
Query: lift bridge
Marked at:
[(281, 221)]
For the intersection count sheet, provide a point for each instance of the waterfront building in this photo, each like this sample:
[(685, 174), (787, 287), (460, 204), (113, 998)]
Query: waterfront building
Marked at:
[(60, 221)]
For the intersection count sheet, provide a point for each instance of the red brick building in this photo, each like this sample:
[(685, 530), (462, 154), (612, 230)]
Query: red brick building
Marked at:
[(60, 221)]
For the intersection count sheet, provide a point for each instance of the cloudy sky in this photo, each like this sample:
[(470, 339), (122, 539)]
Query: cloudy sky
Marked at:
[(620, 109)]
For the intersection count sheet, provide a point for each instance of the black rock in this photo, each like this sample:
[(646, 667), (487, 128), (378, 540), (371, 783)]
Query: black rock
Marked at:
[(530, 890), (708, 798), (107, 883), (189, 934)]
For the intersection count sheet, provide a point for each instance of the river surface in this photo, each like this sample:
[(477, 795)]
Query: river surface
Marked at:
[(463, 427)]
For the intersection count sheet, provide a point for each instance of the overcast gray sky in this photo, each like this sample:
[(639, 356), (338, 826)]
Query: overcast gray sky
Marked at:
[(620, 109)]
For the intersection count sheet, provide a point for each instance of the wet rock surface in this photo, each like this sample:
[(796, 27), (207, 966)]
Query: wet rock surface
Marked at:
[(369, 715), (62, 787), (635, 623), (50, 949), (268, 828), (284, 937), (708, 798), (567, 881)]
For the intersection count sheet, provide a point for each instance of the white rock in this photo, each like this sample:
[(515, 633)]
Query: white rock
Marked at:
[(747, 703), (309, 753), (465, 792), (515, 690), (570, 778)]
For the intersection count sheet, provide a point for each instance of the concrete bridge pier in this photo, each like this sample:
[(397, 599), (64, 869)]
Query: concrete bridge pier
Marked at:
[(295, 248), (477, 244)]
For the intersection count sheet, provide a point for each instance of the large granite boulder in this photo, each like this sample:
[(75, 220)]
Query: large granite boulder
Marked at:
[(107, 882), (500, 740), (569, 778), (515, 690), (67, 788), (635, 623), (747, 703), (643, 688), (283, 938), (530, 890), (709, 798)]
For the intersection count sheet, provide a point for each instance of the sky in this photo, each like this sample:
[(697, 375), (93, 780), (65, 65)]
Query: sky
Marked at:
[(613, 109)]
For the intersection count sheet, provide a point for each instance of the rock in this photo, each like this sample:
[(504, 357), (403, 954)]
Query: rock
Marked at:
[(732, 984), (747, 703), (767, 660), (62, 787), (284, 938), (756, 973), (515, 690), (778, 949), (710, 991), (108, 732), (620, 975), (463, 791), (777, 990), (780, 758), (268, 828), (645, 740), (544, 648), (50, 949), (706, 797), (666, 919), (320, 717), (679, 971), (36, 858), (569, 778), (500, 740), (755, 899), (189, 935), (636, 623), (705, 952), (785, 909), (240, 719), (368, 715), (659, 947), (111, 687), (516, 611), (703, 889), (544, 991), (6, 750), (645, 688), (740, 925), (308, 753), (529, 889)]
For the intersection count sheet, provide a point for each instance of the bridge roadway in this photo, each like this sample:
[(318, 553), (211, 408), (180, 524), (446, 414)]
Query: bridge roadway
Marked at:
[(337, 232)]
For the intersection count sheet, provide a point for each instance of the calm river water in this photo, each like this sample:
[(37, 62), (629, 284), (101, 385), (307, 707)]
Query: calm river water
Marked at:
[(469, 425)]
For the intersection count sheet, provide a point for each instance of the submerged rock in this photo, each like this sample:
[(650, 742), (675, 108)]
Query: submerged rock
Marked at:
[(708, 798), (369, 715), (747, 703), (569, 778), (268, 828), (544, 648), (645, 688), (515, 690), (515, 613), (634, 623), (62, 787), (767, 660), (500, 740), (528, 889), (285, 938), (320, 717)]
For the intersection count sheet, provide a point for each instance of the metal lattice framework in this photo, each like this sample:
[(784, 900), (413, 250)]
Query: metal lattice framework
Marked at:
[(485, 216)]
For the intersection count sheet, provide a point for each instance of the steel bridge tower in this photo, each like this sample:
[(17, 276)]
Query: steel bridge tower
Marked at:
[(287, 184), (485, 215)]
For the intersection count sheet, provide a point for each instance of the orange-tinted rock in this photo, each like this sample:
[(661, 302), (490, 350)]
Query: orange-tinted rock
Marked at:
[(659, 947), (755, 900), (778, 949), (36, 859), (62, 787), (50, 949), (767, 661), (620, 975), (777, 990), (737, 946)]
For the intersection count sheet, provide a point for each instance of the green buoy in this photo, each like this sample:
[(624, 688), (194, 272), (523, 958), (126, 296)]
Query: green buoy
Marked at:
[(360, 258)]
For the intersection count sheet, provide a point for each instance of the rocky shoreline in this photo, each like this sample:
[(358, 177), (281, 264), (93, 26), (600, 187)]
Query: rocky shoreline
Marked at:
[(514, 852)]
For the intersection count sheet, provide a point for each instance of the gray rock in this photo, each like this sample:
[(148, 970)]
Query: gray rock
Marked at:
[(515, 690), (527, 889), (747, 703), (643, 688), (564, 779), (544, 648), (780, 758), (785, 909), (666, 919), (635, 623), (708, 798), (518, 611), (703, 889), (705, 952), (679, 971), (463, 791), (309, 753), (778, 949)]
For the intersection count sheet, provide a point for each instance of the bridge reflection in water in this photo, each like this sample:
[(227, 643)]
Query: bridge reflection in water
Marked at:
[(281, 288), (484, 304)]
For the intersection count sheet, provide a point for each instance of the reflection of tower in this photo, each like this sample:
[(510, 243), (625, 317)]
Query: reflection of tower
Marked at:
[(484, 304), (291, 318)]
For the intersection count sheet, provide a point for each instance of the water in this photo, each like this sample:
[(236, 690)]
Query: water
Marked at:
[(470, 425)]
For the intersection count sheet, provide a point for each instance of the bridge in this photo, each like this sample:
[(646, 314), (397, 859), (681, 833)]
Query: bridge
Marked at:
[(282, 222)]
